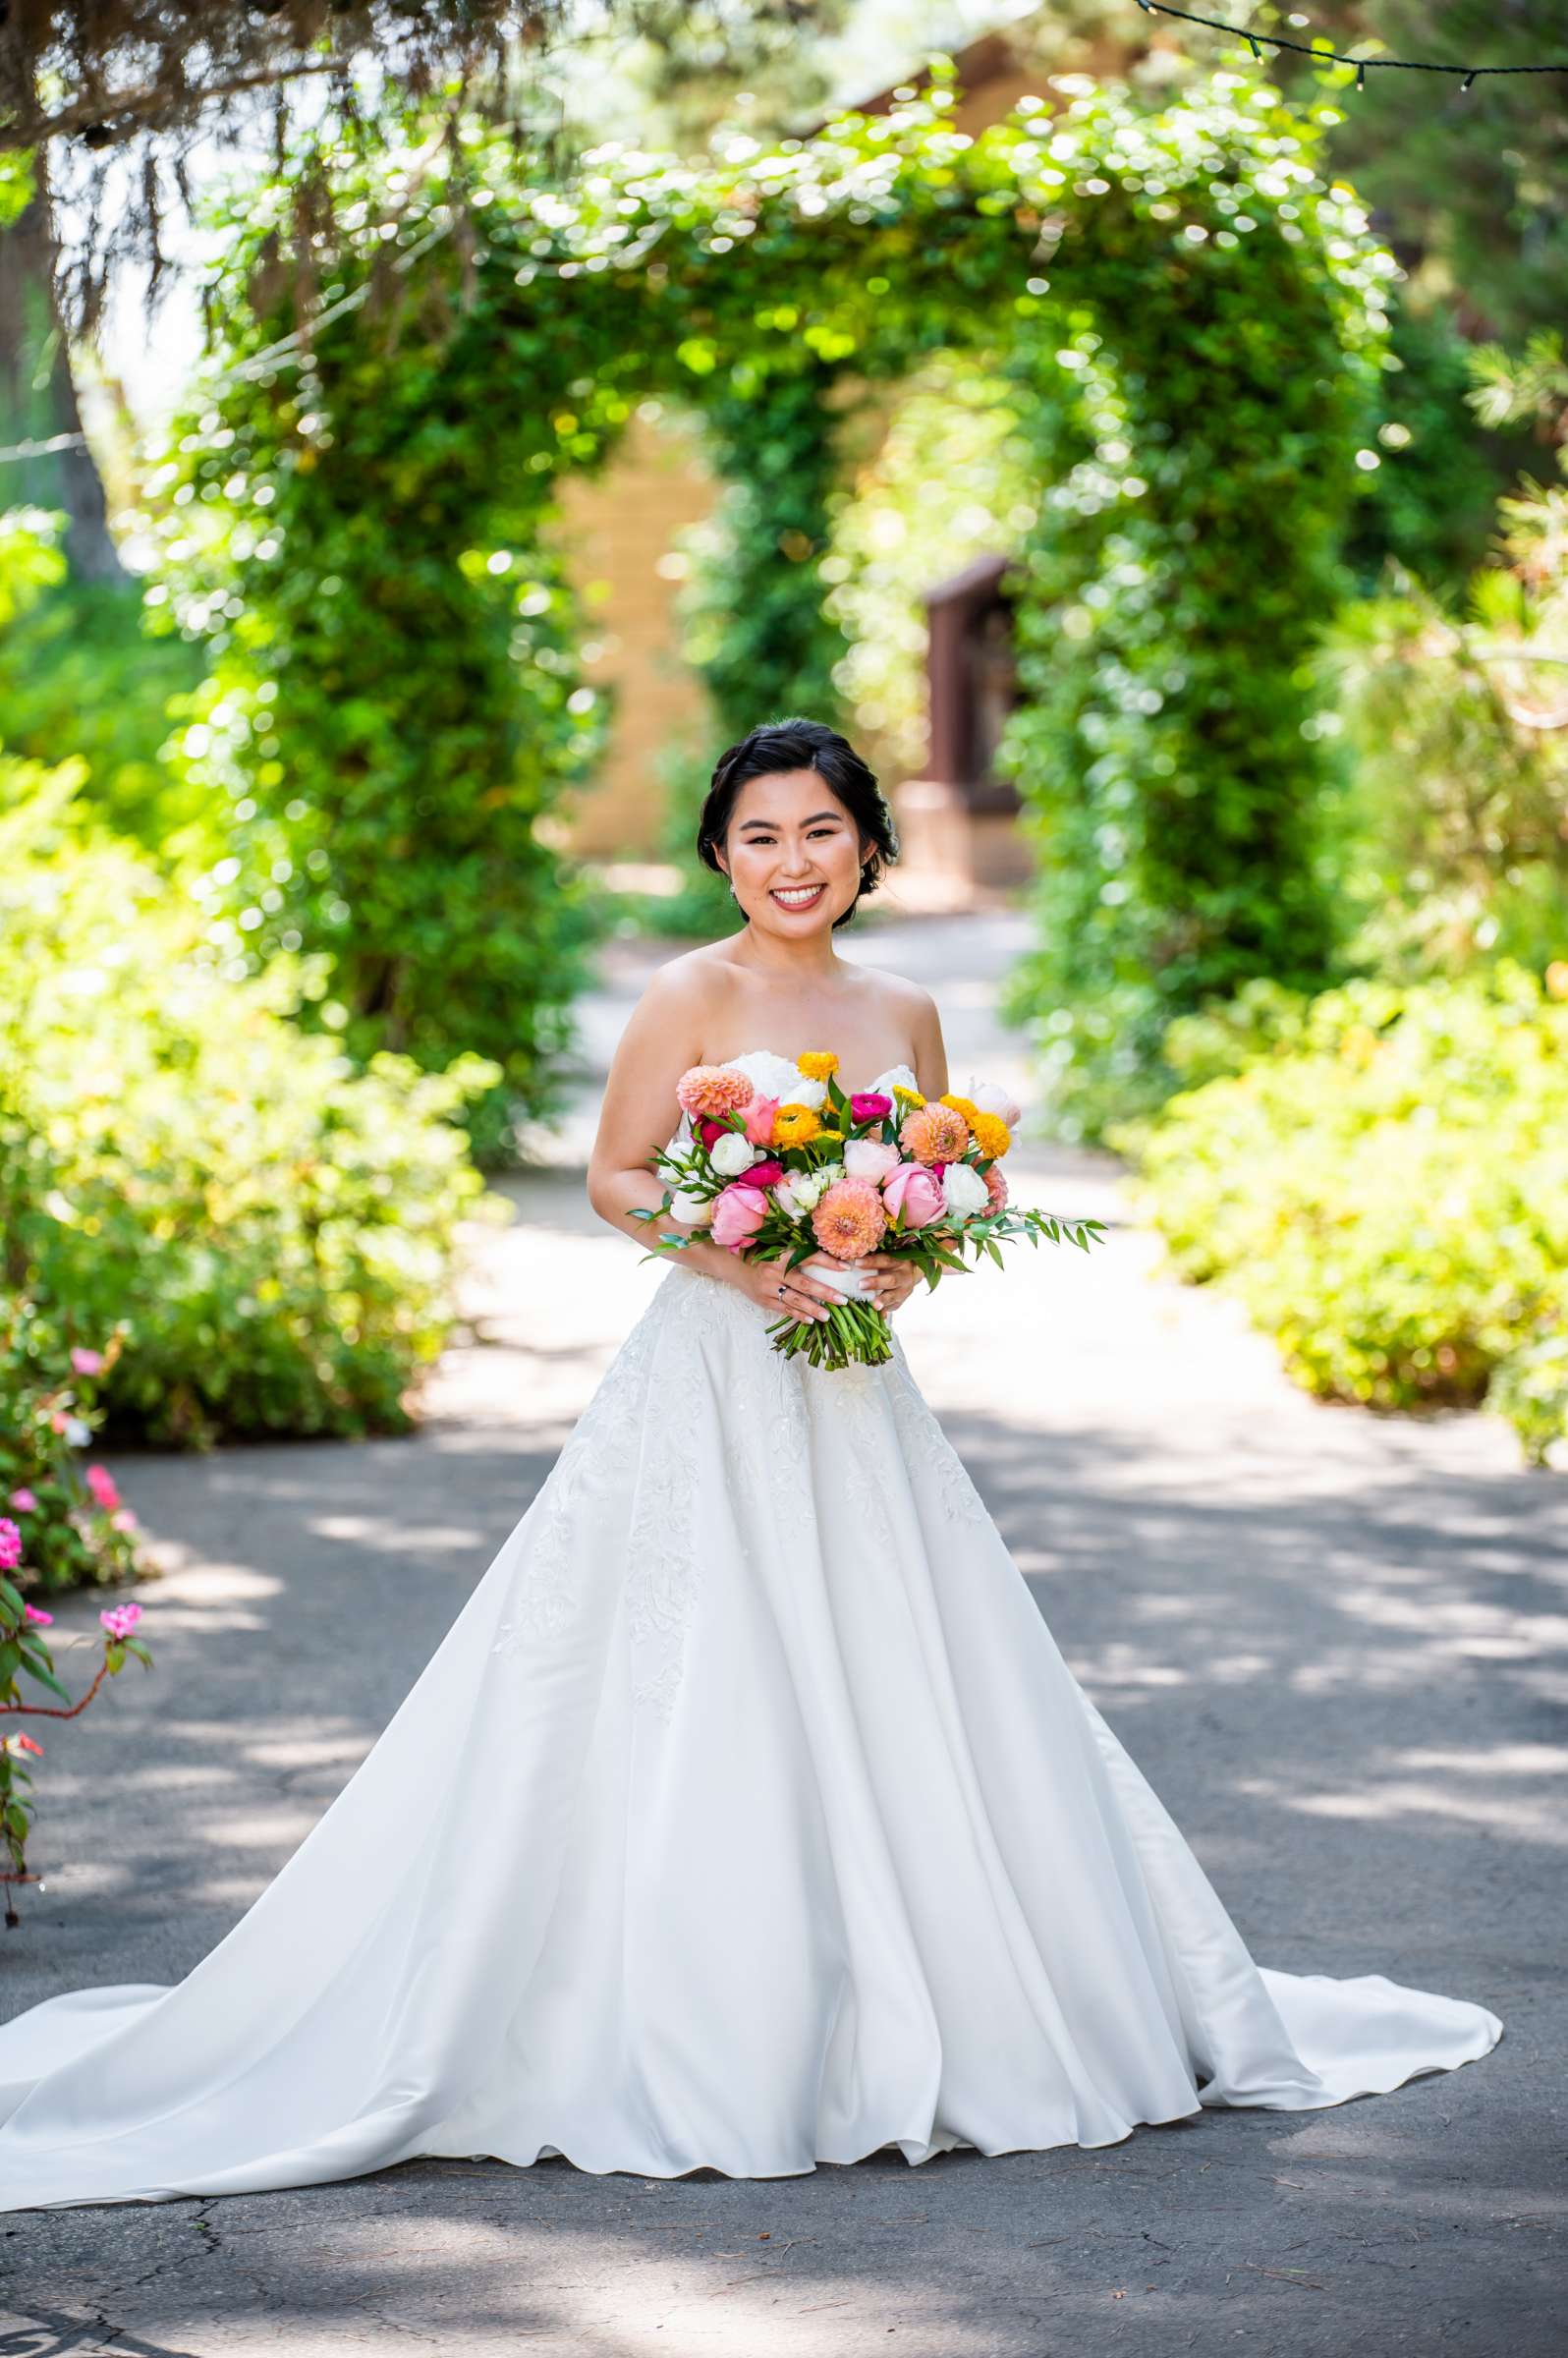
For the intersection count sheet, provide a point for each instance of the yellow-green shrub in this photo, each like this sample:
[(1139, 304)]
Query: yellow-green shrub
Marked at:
[(274, 1231), (1382, 1180)]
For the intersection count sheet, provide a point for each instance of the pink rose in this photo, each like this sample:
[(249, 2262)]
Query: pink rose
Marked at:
[(85, 1362), (912, 1192), (738, 1213), (100, 1482), (869, 1106), (24, 1502), (760, 1120), (866, 1158)]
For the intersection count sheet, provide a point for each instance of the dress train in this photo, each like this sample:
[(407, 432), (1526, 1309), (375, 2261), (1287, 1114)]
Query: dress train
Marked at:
[(746, 1815)]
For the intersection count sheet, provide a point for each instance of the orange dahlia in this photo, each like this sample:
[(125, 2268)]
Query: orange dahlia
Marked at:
[(933, 1134), (712, 1089), (849, 1220)]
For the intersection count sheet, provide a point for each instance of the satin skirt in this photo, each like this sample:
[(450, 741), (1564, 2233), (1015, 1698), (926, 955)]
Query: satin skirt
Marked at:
[(746, 1817)]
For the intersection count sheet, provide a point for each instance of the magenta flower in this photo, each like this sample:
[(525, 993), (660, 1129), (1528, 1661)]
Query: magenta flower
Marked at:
[(120, 1619), (765, 1174), (35, 1612), (869, 1106), (85, 1362), (10, 1545), (100, 1482), (24, 1502), (21, 1743)]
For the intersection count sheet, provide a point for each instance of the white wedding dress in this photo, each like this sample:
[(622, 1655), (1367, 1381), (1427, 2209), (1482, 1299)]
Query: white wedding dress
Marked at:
[(747, 1817)]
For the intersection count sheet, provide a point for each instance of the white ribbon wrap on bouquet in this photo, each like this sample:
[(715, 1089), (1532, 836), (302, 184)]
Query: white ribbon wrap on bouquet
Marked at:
[(845, 1276)]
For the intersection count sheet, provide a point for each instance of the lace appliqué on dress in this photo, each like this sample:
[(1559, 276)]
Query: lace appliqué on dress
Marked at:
[(924, 1439), (598, 1447), (662, 1572)]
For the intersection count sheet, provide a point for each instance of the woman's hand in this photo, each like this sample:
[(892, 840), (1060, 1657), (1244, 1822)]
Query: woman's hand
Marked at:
[(891, 1279), (803, 1296)]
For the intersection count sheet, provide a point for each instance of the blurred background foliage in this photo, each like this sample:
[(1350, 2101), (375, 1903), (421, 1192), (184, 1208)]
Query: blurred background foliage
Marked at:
[(292, 927)]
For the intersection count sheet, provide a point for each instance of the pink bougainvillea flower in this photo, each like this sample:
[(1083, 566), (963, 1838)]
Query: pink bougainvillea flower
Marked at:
[(120, 1619), (849, 1220), (738, 1213), (10, 1545), (100, 1482), (712, 1089), (85, 1362), (869, 1106), (760, 1120), (996, 1187), (933, 1134), (25, 1502), (915, 1194), (20, 1743), (35, 1612)]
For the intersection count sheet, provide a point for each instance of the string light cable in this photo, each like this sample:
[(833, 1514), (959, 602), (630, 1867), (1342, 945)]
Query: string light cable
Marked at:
[(1256, 42)]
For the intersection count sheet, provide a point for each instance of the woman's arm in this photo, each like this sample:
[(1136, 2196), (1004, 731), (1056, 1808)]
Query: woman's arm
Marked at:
[(930, 1050), (662, 1040)]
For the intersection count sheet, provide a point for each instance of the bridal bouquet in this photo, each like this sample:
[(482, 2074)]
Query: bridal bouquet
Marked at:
[(810, 1172)]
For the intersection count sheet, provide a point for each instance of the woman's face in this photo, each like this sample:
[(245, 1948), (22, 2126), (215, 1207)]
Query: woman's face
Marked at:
[(792, 852)]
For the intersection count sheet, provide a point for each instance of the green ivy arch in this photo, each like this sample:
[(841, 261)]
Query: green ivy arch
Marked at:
[(361, 530)]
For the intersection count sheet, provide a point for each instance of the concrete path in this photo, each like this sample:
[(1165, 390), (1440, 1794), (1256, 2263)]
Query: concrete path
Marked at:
[(1337, 1644)]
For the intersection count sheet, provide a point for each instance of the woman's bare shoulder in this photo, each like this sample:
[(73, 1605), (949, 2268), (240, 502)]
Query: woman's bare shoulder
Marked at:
[(686, 989), (911, 1002)]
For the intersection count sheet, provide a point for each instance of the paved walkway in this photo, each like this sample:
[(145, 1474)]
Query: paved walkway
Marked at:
[(1336, 1644)]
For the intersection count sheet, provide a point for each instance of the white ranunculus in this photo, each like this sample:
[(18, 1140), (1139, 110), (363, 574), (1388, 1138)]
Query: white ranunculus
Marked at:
[(810, 1185), (732, 1154), (802, 1092), (693, 1211), (989, 1097), (964, 1190)]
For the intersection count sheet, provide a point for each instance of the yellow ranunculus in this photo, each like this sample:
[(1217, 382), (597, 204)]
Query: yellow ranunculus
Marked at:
[(964, 1105), (795, 1126), (990, 1134), (818, 1064)]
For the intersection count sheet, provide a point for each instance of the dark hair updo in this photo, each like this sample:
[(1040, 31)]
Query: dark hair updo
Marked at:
[(784, 745)]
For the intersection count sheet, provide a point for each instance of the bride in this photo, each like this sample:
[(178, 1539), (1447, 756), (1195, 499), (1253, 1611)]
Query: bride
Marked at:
[(747, 1816)]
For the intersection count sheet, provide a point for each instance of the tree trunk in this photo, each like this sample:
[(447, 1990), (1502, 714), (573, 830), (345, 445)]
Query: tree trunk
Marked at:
[(38, 399)]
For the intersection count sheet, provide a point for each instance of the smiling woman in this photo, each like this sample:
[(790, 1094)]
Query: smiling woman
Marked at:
[(769, 828)]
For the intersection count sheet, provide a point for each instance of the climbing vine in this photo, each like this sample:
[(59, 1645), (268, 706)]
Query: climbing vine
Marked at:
[(1190, 324)]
